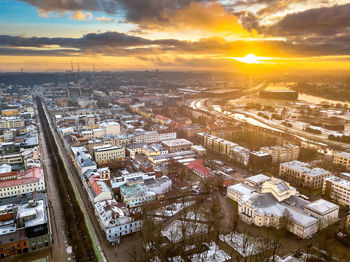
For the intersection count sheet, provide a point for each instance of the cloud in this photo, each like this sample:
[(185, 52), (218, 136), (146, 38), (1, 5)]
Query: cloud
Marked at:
[(105, 19), (209, 17), (137, 10), (109, 6), (81, 16), (319, 21), (120, 44)]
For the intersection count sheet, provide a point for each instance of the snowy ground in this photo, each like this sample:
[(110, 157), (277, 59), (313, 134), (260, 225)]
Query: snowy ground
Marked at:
[(175, 259), (303, 258), (195, 215), (243, 244), (171, 210), (173, 232), (214, 254)]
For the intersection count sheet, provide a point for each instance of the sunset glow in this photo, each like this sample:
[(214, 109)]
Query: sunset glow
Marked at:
[(196, 35)]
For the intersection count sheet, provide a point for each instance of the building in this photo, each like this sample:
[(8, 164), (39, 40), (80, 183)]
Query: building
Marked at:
[(159, 185), (133, 149), (83, 160), (198, 168), (300, 174), (177, 145), (154, 150), (135, 194), (11, 122), (24, 228), (281, 154), (108, 153), (11, 159), (152, 137), (260, 159), (337, 189), (170, 157), (273, 202), (217, 144), (17, 183), (240, 154), (342, 159), (199, 150), (10, 112), (114, 221), (97, 189)]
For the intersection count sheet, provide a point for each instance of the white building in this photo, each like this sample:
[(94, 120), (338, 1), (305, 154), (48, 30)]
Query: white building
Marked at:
[(83, 160), (152, 137), (135, 194), (275, 203), (338, 189), (114, 221)]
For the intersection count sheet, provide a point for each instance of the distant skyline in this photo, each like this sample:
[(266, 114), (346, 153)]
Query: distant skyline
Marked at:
[(254, 36)]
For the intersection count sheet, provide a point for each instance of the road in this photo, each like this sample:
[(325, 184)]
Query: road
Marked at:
[(55, 208), (110, 253)]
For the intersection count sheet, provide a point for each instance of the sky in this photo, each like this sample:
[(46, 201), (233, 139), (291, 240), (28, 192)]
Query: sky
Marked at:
[(255, 36)]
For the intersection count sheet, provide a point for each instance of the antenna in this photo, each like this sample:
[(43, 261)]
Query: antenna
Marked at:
[(93, 68), (71, 63)]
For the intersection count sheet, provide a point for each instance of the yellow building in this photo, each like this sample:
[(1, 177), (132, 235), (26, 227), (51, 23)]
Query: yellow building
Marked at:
[(10, 112)]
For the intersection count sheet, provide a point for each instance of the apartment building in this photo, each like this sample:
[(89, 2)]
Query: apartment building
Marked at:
[(281, 154), (299, 173), (153, 137), (342, 159), (217, 144), (11, 122), (10, 112), (337, 189), (108, 153), (17, 183)]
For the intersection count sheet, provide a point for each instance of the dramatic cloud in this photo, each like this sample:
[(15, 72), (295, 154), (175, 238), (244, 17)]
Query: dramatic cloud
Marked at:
[(210, 17), (323, 21), (116, 44)]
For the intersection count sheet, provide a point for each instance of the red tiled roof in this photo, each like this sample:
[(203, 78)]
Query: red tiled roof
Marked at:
[(96, 188), (198, 165), (29, 176)]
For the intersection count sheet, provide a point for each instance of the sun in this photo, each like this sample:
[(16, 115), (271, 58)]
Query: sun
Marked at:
[(249, 59)]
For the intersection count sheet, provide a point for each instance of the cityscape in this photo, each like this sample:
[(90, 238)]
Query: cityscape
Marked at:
[(174, 130)]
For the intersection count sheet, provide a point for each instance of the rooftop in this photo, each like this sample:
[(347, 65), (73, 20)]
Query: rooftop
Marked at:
[(343, 154), (258, 179), (177, 142), (304, 168), (321, 206)]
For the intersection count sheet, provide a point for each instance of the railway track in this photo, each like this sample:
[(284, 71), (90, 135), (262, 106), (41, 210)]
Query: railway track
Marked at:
[(77, 230)]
